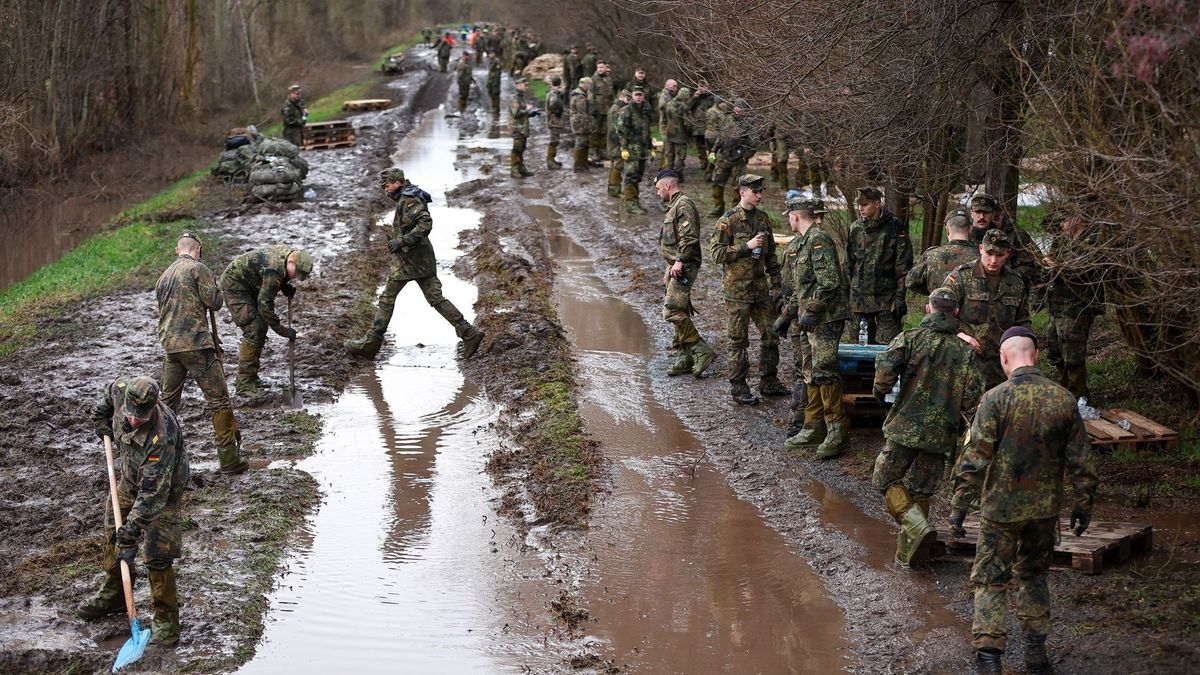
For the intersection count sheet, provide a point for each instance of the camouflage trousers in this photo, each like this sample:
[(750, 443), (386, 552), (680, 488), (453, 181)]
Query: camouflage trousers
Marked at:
[(727, 168), (495, 97), (599, 139), (555, 134), (633, 170), (762, 313), (882, 327), (207, 370), (244, 310), (897, 462), (819, 352), (442, 63), (675, 156), (432, 288), (294, 135), (463, 94), (518, 151), (162, 540), (989, 369), (1023, 547), (1067, 352), (677, 307)]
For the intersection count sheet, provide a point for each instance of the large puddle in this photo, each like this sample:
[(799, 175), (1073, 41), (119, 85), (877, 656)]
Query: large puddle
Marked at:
[(687, 577)]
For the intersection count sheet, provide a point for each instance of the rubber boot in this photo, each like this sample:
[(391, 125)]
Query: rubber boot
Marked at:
[(634, 204), (915, 538), (514, 163), (247, 382), (525, 173), (579, 160), (702, 357), (683, 363), (836, 441), (989, 662), (366, 346), (165, 626), (551, 162), (814, 422), (773, 387), (1037, 662), (471, 340), (110, 599), (230, 459), (718, 197), (229, 455), (740, 391), (614, 181)]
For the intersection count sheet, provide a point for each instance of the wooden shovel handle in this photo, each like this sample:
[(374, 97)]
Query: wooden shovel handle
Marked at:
[(126, 578), (212, 322)]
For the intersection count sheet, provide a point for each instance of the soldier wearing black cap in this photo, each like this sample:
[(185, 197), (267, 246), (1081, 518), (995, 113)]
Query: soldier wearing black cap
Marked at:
[(679, 244), (1027, 431), (878, 256), (931, 268), (986, 214), (556, 120)]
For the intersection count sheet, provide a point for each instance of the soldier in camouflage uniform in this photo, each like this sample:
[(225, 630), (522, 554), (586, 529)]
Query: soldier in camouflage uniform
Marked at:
[(714, 119), (801, 215), (581, 124), (879, 255), (743, 244), (734, 148), (633, 133), (556, 121), (991, 299), (464, 75), (1074, 300), (818, 304), (935, 263), (939, 388), (493, 82), (151, 467), (1026, 432), (651, 91), (665, 96), (250, 284), (413, 261), (443, 47), (294, 115), (613, 144), (601, 95), (679, 244), (675, 133), (570, 68), (187, 295), (986, 214), (520, 110), (587, 63), (697, 118)]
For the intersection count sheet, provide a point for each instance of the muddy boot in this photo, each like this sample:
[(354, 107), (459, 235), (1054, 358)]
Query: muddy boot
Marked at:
[(915, 537), (579, 160), (229, 455), (836, 441), (471, 340), (525, 173), (110, 599), (683, 363), (798, 403), (814, 422), (740, 391), (514, 163), (551, 151), (247, 382), (165, 626), (989, 662), (702, 357), (231, 461), (718, 197), (773, 387), (366, 346), (635, 205), (614, 180), (1037, 662)]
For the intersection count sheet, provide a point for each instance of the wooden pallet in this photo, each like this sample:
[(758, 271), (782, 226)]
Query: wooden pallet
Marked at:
[(329, 146), (1105, 431), (367, 104), (325, 135), (1104, 544)]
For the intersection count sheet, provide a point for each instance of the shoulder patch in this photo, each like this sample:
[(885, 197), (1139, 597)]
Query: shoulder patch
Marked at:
[(954, 278), (152, 458), (155, 439), (817, 246)]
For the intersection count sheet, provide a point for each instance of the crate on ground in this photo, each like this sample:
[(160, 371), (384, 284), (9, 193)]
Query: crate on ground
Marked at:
[(1103, 545), (856, 365), (1109, 430), (362, 104), (326, 135)]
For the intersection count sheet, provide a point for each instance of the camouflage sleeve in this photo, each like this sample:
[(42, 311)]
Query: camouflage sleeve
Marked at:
[(623, 127), (207, 289), (972, 390), (1079, 464), (904, 260), (720, 244), (827, 275), (915, 280), (290, 114), (418, 214), (772, 261), (1022, 318), (272, 282), (689, 233), (154, 485), (853, 246), (889, 364), (976, 455), (102, 414)]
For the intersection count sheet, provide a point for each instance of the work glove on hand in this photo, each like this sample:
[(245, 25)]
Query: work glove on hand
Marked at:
[(957, 516), (807, 321), (712, 158), (1080, 520), (624, 154), (288, 332), (781, 325), (288, 290), (127, 536), (653, 154), (899, 309), (395, 245), (128, 554)]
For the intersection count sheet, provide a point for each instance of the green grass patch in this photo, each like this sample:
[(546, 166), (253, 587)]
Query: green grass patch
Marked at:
[(538, 90), (400, 48)]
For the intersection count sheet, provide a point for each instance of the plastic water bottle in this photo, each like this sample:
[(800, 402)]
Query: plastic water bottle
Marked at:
[(862, 331)]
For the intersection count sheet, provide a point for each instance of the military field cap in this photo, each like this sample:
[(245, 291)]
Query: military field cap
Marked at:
[(984, 202), (812, 206), (390, 175), (304, 264), (684, 92), (958, 219), (1019, 331), (555, 81), (193, 237), (521, 80), (294, 87), (996, 241), (750, 180), (624, 93), (869, 194), (666, 173), (945, 295), (638, 89), (141, 395), (585, 80)]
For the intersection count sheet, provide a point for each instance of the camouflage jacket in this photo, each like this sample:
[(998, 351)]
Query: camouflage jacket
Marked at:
[(493, 78), (746, 278), (939, 385), (650, 90), (661, 102), (518, 116), (818, 283), (556, 112), (1026, 431), (462, 72), (186, 291), (986, 309), (292, 113), (676, 130), (259, 274), (935, 263), (679, 237), (150, 462), (443, 49), (581, 113), (1023, 260), (697, 111), (587, 63), (613, 138), (601, 94), (733, 141), (879, 255), (713, 119), (633, 129), (411, 224), (570, 69), (1069, 291)]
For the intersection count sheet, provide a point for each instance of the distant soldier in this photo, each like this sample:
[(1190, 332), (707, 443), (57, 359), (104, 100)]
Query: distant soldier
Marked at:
[(743, 244), (939, 388), (697, 118), (581, 124), (781, 152), (714, 119), (426, 36), (1074, 298), (493, 81), (675, 133), (464, 75), (250, 284), (294, 114), (1026, 432), (818, 304), (444, 45), (651, 91), (986, 214), (413, 261), (602, 96), (520, 110), (664, 98), (734, 149), (571, 68), (616, 165), (187, 295), (556, 121), (151, 470), (633, 132), (934, 264), (679, 244), (991, 299), (588, 62), (878, 255)]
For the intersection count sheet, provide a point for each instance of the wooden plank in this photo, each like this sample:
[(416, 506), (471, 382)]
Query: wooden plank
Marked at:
[(1141, 421), (1107, 430), (367, 104), (1104, 544)]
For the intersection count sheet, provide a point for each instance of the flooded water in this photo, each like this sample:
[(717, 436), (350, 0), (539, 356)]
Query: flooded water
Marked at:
[(687, 577)]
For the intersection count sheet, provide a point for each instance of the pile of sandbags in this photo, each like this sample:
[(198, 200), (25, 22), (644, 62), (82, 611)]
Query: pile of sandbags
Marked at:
[(278, 171), (235, 160)]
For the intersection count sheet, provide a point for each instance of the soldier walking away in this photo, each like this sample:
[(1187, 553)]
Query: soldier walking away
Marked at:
[(1074, 299), (581, 124), (493, 81), (616, 165), (151, 473), (464, 74), (879, 255), (939, 388), (556, 121), (520, 110), (294, 115), (743, 244), (443, 46), (188, 296), (413, 261), (734, 148), (818, 304), (250, 284), (679, 244), (936, 262), (1026, 432), (633, 132), (986, 214), (602, 95)]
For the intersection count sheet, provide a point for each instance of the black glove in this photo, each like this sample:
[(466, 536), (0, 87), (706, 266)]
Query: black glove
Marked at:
[(127, 536), (288, 332), (395, 245), (957, 516), (288, 290), (781, 325), (1080, 520), (128, 554), (899, 309), (779, 301), (807, 321)]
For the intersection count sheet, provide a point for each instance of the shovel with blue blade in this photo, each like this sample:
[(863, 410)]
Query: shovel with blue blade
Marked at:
[(135, 646)]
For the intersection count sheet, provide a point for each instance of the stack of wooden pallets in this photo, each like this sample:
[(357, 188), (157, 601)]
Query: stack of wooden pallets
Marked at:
[(1104, 544), (327, 135), (362, 104), (1108, 430)]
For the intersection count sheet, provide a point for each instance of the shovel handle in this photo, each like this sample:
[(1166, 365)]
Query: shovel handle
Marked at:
[(212, 323), (126, 578)]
